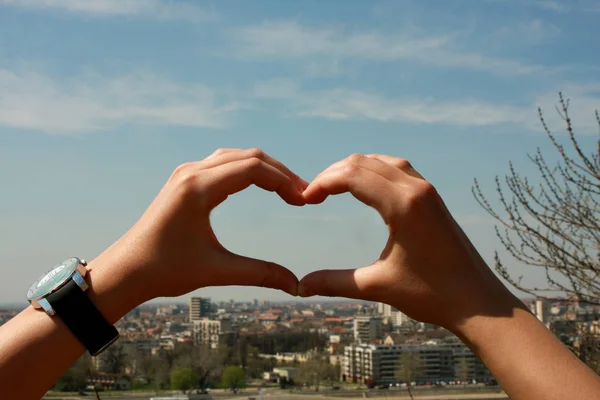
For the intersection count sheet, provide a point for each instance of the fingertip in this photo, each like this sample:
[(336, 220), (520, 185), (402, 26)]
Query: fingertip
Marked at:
[(303, 290), (312, 195)]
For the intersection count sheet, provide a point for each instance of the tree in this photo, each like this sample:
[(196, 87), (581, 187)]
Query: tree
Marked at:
[(555, 224), (409, 368), (75, 378), (183, 379), (233, 378), (207, 364), (463, 369), (145, 367), (316, 370), (114, 359)]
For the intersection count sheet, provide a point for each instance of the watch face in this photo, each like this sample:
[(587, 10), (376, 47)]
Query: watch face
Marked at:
[(52, 279)]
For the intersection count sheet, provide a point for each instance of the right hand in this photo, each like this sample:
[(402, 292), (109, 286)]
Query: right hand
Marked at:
[(428, 269)]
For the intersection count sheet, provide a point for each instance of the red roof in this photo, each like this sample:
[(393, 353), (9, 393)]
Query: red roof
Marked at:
[(268, 318)]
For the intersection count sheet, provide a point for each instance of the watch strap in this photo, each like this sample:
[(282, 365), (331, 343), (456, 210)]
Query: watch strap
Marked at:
[(80, 315)]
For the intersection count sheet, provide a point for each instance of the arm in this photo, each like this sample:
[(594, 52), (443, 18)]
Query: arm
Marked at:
[(430, 270), (170, 251)]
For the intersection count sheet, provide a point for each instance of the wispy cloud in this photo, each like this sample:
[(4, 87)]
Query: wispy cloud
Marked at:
[(290, 40), (344, 103), (553, 5), (160, 9), (94, 102), (531, 32), (584, 100)]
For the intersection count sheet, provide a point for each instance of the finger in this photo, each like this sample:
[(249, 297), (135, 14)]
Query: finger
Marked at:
[(362, 283), (220, 151), (235, 176), (399, 163), (365, 185), (223, 156), (245, 271)]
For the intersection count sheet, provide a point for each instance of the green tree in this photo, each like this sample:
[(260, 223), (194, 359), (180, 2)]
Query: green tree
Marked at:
[(183, 379), (409, 368), (233, 378)]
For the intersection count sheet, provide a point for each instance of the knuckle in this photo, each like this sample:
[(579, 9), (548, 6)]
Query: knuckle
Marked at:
[(219, 151), (254, 163), (402, 163), (257, 153), (422, 194), (355, 158), (350, 169), (182, 169)]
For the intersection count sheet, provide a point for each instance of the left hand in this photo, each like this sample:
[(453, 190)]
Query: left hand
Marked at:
[(173, 250)]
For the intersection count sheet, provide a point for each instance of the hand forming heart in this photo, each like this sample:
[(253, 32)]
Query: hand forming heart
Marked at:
[(428, 268)]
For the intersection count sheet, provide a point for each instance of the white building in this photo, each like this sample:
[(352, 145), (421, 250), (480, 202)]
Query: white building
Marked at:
[(542, 310), (368, 328), (208, 331), (379, 363)]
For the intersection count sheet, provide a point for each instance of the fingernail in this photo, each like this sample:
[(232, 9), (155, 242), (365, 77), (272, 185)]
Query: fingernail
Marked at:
[(303, 291), (302, 185)]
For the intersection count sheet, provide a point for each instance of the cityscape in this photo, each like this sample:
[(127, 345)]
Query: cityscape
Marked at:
[(299, 346)]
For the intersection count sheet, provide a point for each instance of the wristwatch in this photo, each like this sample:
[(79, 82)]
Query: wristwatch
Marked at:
[(61, 291)]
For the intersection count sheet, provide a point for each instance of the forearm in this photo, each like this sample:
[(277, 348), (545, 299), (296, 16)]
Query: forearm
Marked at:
[(526, 358), (36, 349)]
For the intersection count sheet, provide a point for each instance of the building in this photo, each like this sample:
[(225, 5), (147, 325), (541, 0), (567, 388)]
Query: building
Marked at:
[(199, 308), (384, 309), (542, 311), (289, 357), (399, 318), (379, 364), (367, 328), (207, 331), (109, 382)]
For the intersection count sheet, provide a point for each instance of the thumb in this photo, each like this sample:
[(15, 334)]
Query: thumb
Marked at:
[(361, 283), (234, 269)]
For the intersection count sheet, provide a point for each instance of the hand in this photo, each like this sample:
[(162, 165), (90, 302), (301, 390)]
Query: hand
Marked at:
[(428, 268), (173, 250)]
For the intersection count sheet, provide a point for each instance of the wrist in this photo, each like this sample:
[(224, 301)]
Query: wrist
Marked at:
[(113, 287), (486, 329)]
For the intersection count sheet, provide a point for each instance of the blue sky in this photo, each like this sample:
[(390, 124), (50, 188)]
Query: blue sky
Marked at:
[(100, 100)]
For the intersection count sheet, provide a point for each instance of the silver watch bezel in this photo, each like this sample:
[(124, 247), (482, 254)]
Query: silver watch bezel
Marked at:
[(78, 276)]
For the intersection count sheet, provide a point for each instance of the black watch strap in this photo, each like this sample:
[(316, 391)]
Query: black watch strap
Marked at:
[(80, 315)]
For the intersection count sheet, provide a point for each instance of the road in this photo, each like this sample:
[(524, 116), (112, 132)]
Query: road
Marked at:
[(431, 394)]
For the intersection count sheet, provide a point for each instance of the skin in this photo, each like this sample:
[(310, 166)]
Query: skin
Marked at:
[(428, 269)]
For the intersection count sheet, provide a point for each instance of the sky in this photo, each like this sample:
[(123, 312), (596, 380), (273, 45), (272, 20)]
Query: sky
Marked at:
[(100, 100)]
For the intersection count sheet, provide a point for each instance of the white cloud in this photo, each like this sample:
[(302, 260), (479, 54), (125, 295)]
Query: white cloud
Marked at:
[(93, 102), (162, 9), (343, 103), (289, 40), (584, 101), (553, 5)]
